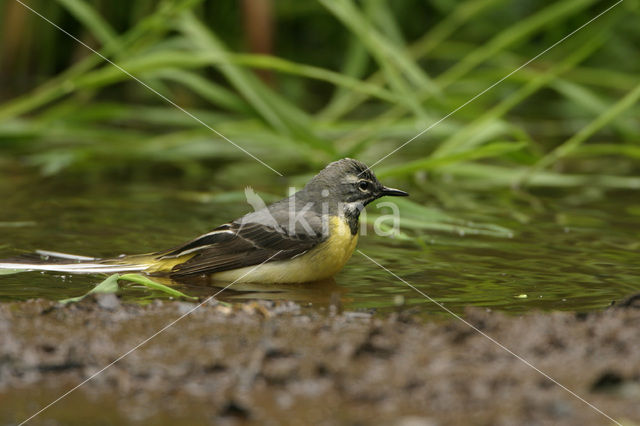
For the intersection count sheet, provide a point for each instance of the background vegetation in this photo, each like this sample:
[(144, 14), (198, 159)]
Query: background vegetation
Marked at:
[(298, 84)]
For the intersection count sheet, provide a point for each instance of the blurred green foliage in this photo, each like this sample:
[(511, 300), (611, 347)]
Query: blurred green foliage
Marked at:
[(341, 78)]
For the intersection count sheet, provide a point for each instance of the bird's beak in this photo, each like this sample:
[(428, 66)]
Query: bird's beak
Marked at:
[(393, 192)]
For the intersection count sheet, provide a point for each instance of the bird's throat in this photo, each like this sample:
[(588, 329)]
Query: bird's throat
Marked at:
[(351, 216)]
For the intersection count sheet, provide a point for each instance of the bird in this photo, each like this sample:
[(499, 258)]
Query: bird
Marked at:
[(308, 236)]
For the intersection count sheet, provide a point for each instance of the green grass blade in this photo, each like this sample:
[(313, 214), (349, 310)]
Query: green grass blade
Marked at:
[(597, 150), (337, 79), (494, 149), (518, 31), (444, 29), (484, 176), (92, 21), (141, 279), (354, 65), (586, 132), (589, 101), (64, 83), (381, 15), (275, 110), (419, 49), (386, 52), (212, 92), (147, 64), (465, 138)]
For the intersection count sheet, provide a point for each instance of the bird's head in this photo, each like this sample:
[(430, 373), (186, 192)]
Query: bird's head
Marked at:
[(349, 183)]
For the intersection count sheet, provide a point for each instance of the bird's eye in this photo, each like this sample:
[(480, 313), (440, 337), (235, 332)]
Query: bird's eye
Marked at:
[(363, 185)]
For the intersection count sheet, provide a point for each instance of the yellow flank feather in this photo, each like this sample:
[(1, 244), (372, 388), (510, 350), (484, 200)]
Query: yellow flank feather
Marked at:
[(166, 265), (321, 262), (154, 265)]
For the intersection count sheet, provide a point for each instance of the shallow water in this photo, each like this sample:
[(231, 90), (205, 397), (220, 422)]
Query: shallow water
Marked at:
[(570, 251)]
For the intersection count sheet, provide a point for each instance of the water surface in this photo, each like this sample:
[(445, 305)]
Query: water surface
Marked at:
[(569, 251)]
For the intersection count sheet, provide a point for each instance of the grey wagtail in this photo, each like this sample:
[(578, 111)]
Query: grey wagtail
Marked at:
[(308, 236)]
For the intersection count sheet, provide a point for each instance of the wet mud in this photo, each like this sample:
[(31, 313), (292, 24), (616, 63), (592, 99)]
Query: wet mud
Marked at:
[(277, 363)]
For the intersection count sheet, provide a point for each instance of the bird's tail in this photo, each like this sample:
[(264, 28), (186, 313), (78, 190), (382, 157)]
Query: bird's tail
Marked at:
[(43, 260)]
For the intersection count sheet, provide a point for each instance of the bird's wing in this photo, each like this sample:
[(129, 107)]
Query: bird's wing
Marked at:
[(236, 245)]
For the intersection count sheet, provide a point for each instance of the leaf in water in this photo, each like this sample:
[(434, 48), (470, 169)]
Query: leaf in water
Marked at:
[(109, 285), (141, 279), (11, 271)]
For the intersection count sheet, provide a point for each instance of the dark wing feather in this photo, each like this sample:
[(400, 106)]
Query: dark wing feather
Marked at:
[(250, 244), (220, 234)]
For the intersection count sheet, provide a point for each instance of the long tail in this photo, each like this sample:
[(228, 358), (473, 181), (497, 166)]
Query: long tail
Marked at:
[(43, 260)]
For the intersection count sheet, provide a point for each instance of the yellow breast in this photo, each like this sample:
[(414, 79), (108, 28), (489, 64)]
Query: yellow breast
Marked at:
[(321, 262)]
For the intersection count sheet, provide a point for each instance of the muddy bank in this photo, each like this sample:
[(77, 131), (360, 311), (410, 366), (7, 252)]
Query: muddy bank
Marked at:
[(274, 363)]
